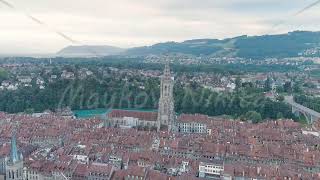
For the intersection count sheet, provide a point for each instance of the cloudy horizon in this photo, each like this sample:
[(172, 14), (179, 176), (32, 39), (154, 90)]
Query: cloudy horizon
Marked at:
[(124, 23)]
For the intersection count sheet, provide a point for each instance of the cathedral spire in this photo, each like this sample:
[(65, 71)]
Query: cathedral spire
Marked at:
[(167, 70), (14, 168), (14, 156)]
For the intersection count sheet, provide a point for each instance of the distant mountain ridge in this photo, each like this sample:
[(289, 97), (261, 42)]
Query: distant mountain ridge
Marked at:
[(292, 44), (74, 51), (298, 43)]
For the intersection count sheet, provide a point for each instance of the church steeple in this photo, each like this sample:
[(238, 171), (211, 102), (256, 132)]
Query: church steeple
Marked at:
[(14, 156), (167, 73), (14, 168), (166, 115)]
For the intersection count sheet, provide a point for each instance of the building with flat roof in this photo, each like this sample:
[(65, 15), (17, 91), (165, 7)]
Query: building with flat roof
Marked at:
[(211, 169)]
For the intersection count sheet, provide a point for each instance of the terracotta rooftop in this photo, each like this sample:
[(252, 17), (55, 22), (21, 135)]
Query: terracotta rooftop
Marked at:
[(149, 116), (193, 118), (100, 168)]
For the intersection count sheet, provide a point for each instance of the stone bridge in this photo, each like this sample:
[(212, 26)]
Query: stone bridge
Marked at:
[(299, 109)]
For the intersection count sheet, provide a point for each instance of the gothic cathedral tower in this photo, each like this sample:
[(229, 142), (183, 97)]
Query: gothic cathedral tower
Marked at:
[(14, 168), (166, 114)]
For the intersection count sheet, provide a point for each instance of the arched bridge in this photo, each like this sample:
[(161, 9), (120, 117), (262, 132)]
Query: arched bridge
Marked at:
[(299, 109)]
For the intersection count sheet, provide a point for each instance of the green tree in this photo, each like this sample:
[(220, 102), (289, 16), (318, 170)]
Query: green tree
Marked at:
[(29, 111), (280, 98), (3, 75), (279, 115), (268, 85), (287, 87), (187, 102), (297, 88), (238, 83), (253, 116)]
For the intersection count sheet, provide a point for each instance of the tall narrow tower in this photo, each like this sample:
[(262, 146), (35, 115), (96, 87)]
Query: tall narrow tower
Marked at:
[(14, 169), (166, 114)]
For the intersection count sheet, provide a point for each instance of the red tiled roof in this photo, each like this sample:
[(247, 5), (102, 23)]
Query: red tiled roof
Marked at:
[(5, 150), (148, 116), (82, 170), (193, 118), (156, 175), (132, 171), (95, 168)]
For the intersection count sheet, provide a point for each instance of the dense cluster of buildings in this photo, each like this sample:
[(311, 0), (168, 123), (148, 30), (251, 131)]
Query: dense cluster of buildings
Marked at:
[(55, 147), (50, 146), (41, 75), (213, 59)]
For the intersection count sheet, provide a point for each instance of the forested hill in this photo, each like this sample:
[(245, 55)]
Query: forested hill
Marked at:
[(298, 43), (293, 44)]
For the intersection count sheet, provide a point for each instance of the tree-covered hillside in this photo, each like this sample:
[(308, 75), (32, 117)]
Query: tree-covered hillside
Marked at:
[(293, 44)]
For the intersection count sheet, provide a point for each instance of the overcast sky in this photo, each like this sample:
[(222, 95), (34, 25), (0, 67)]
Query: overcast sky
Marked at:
[(128, 23)]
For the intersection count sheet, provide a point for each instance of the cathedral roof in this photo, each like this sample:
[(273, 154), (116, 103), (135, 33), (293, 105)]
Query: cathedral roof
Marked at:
[(199, 118), (142, 115)]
